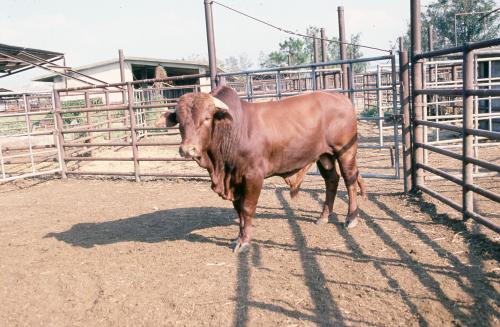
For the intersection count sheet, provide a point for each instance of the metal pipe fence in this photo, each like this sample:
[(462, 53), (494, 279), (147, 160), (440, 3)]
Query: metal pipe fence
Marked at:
[(126, 132), (280, 82), (468, 130)]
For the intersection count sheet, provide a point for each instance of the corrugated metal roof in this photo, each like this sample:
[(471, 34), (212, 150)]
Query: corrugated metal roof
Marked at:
[(14, 58)]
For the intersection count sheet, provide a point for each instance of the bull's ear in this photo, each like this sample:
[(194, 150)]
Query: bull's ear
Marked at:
[(171, 118), (222, 114)]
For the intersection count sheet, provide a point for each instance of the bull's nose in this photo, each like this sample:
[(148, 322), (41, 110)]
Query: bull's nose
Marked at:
[(188, 151)]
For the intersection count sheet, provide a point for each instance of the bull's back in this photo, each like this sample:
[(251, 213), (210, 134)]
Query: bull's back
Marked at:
[(296, 130)]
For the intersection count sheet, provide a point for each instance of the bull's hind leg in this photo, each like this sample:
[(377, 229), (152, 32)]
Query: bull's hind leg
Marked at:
[(350, 173), (331, 178)]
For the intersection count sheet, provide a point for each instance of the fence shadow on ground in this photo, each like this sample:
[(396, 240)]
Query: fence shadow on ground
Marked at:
[(178, 224), (476, 285)]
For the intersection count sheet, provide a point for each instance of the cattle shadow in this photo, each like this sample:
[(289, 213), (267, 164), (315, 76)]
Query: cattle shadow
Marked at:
[(154, 227)]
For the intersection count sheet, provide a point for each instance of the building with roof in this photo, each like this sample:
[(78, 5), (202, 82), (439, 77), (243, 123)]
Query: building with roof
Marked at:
[(135, 68)]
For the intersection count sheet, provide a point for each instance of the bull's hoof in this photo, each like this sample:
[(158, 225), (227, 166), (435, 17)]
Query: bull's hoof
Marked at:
[(241, 247), (322, 221), (351, 223)]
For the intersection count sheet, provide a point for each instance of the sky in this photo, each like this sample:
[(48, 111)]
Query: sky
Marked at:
[(89, 31)]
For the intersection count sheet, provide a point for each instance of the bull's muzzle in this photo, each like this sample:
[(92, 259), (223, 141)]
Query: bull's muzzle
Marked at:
[(189, 151)]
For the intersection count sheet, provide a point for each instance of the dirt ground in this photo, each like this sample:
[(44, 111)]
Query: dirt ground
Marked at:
[(100, 252)]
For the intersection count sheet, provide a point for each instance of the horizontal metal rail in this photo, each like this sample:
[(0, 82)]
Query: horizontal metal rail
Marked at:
[(483, 220), (444, 152), (40, 173), (81, 145), (487, 194), (144, 81), (441, 173), (320, 64), (70, 158), (482, 163), (462, 48), (24, 114), (440, 197), (131, 174), (484, 133), (96, 130), (459, 92), (439, 125)]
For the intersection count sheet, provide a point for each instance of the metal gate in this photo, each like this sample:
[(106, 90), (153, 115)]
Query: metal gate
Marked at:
[(373, 92), (28, 142)]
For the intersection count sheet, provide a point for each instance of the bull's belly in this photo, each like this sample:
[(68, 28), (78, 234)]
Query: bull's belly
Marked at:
[(287, 163)]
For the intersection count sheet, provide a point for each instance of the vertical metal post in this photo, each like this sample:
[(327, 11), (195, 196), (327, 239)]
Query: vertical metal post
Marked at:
[(313, 78), (248, 86), (395, 113), (65, 73), (60, 135), (108, 113), (278, 84), (436, 104), (315, 49), (401, 43), (28, 130), (324, 54), (135, 151), (430, 36), (380, 121), (468, 123), (455, 29), (404, 92), (343, 48), (121, 60), (351, 84), (454, 77), (416, 48), (490, 121), (1, 163), (476, 113), (317, 58), (87, 115), (212, 61)]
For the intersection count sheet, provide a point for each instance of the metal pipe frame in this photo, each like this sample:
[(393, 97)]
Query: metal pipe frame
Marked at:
[(468, 129), (305, 66), (404, 93)]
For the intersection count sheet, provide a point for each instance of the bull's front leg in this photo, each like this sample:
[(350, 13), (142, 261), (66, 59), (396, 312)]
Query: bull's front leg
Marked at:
[(246, 206)]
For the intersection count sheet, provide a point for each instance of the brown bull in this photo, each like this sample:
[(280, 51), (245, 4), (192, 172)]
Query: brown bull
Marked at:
[(242, 143)]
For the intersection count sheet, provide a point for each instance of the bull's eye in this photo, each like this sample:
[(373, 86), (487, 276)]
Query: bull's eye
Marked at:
[(208, 118)]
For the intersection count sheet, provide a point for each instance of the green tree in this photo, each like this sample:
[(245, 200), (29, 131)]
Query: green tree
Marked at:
[(473, 23), (236, 64), (297, 50), (292, 49)]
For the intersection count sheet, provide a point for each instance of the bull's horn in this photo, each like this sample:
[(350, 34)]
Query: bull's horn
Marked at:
[(219, 104)]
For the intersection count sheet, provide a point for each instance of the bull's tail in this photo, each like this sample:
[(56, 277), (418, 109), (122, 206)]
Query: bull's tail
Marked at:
[(361, 185)]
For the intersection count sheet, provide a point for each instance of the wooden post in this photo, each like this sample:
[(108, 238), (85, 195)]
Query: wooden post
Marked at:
[(135, 151)]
